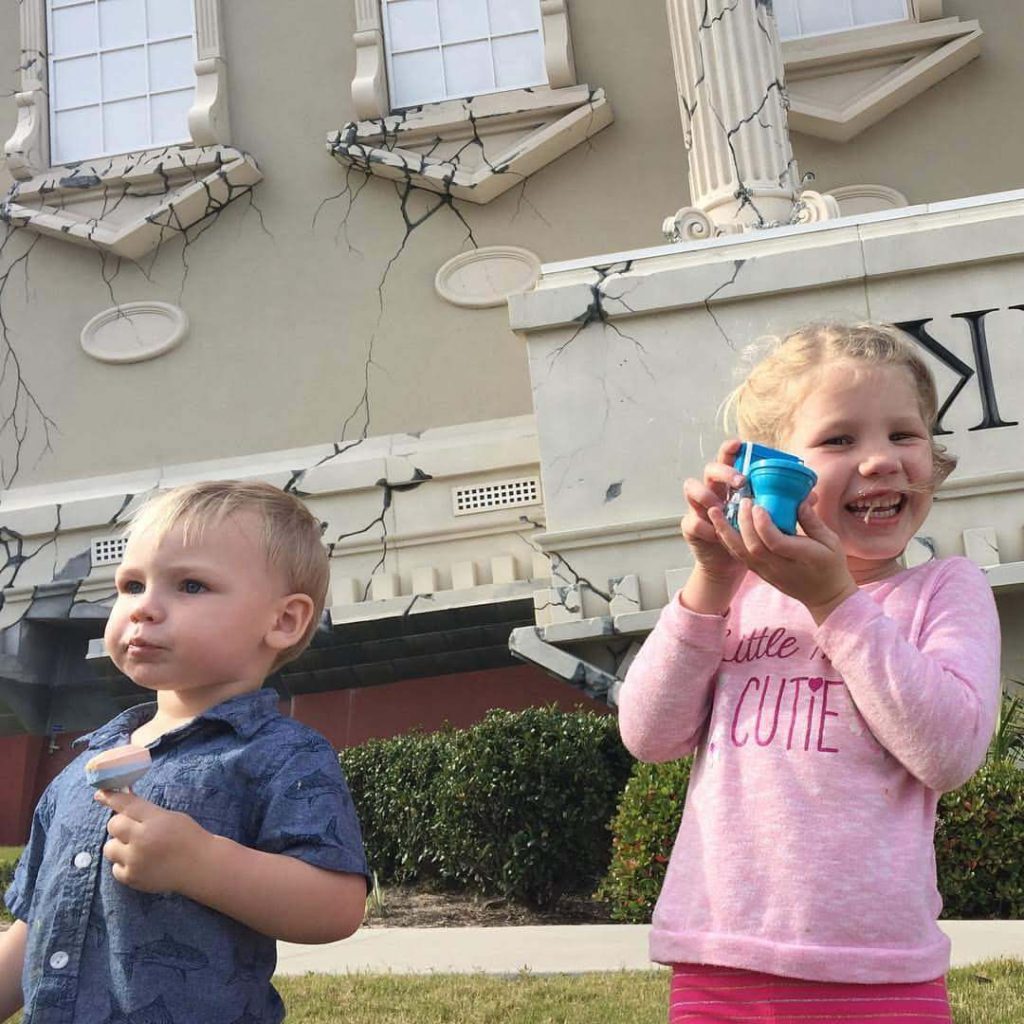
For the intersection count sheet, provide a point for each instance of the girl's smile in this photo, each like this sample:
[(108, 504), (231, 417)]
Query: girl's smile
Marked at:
[(859, 427)]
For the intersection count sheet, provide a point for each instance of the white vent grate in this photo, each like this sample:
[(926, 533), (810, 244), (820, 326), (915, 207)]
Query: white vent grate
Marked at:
[(503, 494), (108, 550)]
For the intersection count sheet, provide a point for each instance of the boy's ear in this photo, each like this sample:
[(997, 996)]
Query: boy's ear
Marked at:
[(294, 613)]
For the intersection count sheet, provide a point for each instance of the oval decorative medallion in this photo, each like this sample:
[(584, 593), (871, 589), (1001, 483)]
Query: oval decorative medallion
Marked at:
[(487, 276), (134, 331)]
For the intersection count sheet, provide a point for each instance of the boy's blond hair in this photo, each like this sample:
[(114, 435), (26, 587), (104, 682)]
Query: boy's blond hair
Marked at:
[(763, 404), (290, 534)]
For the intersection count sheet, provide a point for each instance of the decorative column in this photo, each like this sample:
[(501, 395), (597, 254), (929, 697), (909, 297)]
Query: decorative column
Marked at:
[(732, 97)]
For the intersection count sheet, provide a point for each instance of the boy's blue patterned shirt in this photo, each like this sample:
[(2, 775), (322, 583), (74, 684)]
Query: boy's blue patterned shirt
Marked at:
[(99, 952)]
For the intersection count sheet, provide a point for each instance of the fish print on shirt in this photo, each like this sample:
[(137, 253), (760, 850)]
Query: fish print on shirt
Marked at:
[(167, 953), (311, 786)]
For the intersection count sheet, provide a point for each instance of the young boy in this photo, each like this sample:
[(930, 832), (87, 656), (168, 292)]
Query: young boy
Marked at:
[(163, 904)]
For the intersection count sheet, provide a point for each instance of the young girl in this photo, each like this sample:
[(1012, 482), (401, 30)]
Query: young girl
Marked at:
[(830, 695)]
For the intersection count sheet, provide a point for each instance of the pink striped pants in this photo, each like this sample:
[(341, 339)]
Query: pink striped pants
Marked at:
[(702, 994)]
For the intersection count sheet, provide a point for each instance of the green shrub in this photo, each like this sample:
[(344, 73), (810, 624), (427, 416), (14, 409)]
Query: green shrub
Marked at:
[(978, 838), (8, 862), (978, 843), (516, 805), (643, 831), (392, 783), (523, 807)]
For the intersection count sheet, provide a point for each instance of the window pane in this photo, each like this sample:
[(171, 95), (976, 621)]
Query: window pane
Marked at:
[(817, 16), (125, 126), (122, 22), (514, 16), (124, 73), (70, 3), (76, 135), (170, 116), (76, 82), (170, 18), (871, 12), (519, 61), (417, 78), (463, 19), (412, 24), (73, 30), (171, 65), (467, 69)]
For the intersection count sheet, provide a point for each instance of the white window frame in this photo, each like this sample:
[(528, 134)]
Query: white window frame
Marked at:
[(908, 15), (370, 87), (102, 103), (28, 149)]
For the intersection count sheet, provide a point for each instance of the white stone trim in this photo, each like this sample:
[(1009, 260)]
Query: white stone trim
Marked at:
[(550, 122), (182, 185), (208, 120), (370, 83), (920, 54), (28, 149), (558, 56)]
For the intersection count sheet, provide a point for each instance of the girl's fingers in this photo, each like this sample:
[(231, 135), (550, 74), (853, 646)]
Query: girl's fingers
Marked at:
[(814, 526), (727, 536), (700, 498), (728, 450)]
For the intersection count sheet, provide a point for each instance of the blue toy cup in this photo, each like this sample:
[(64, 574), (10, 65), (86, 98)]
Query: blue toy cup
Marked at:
[(779, 485)]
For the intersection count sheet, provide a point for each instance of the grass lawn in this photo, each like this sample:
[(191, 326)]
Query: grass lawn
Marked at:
[(988, 993)]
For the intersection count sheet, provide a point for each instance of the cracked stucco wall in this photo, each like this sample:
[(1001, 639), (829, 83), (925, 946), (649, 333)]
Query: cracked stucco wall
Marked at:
[(292, 345)]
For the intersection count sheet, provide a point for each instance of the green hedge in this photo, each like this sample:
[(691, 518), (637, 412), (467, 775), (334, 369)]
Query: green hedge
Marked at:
[(978, 840), (8, 862), (643, 831), (517, 805)]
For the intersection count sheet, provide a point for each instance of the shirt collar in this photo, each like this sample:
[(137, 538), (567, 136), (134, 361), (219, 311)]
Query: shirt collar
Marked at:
[(245, 714)]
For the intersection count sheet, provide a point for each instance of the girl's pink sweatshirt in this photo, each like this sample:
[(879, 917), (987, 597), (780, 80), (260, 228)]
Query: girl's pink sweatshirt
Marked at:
[(806, 845)]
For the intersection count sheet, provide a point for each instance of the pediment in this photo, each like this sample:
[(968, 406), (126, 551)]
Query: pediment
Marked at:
[(474, 149), (128, 205), (841, 84)]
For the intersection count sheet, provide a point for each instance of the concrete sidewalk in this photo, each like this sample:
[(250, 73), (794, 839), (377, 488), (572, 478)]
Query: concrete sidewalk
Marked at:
[(556, 949)]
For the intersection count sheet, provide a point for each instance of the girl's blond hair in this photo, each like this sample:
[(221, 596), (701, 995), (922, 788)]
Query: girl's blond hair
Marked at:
[(761, 408), (290, 534)]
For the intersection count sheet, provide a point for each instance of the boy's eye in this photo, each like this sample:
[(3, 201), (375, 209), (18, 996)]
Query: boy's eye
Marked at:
[(192, 586), (132, 587), (838, 441)]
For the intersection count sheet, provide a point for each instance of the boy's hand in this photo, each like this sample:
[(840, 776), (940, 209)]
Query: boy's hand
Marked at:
[(810, 568), (152, 849)]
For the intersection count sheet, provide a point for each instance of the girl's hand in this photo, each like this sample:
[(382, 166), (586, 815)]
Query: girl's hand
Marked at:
[(717, 573), (713, 558), (810, 568)]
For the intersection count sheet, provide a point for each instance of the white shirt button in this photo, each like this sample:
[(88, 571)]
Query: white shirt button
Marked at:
[(59, 960), (83, 859)]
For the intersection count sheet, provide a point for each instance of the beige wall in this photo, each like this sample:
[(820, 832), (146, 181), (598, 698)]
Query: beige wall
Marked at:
[(282, 323)]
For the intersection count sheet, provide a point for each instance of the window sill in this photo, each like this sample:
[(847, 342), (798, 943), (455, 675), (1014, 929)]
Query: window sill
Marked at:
[(128, 205), (474, 149), (832, 97)]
